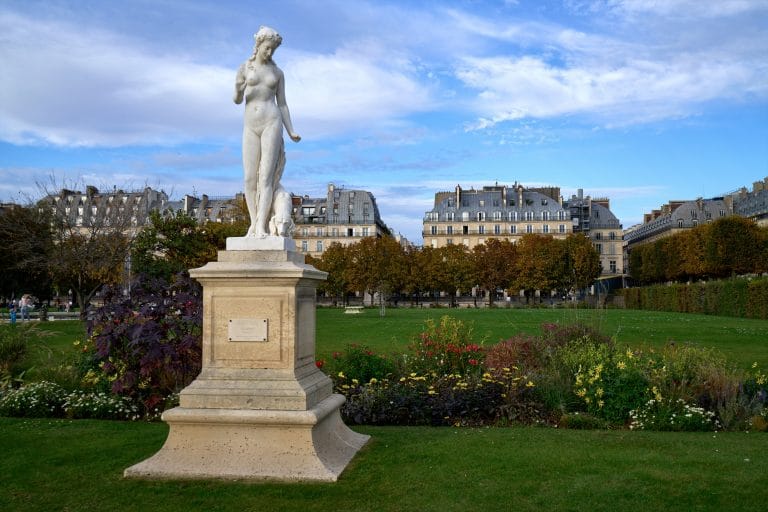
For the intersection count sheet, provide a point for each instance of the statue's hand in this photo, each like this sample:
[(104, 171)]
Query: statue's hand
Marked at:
[(295, 137)]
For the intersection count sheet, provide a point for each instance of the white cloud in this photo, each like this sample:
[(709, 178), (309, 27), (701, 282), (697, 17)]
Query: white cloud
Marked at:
[(73, 86)]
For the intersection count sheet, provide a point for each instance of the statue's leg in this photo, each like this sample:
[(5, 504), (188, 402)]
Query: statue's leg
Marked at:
[(251, 157), (271, 151)]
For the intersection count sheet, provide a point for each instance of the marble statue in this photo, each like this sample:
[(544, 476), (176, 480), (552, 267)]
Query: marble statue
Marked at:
[(261, 84)]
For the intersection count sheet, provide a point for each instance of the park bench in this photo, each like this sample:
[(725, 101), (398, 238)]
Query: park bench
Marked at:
[(353, 310)]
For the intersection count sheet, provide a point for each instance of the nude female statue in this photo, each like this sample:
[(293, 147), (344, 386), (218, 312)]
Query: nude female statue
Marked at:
[(260, 82)]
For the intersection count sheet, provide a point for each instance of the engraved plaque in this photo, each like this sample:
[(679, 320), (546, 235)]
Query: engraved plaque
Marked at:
[(248, 329)]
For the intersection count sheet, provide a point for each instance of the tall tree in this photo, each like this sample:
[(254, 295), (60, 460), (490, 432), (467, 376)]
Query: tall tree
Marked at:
[(733, 246), (453, 270), (26, 238), (582, 264), (376, 266), (334, 260), (175, 243), (85, 255), (494, 265)]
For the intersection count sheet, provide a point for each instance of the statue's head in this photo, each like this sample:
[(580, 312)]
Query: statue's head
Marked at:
[(267, 34)]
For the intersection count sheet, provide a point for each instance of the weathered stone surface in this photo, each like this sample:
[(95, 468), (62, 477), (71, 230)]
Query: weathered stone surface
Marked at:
[(260, 408)]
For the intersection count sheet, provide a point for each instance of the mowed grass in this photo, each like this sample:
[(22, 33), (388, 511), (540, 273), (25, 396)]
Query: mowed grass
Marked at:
[(743, 341), (77, 466)]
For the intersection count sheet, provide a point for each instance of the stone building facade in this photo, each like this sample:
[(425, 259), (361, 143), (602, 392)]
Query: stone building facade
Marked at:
[(470, 217), (343, 216)]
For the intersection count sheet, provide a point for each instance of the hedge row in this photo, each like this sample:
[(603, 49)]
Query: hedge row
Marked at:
[(738, 297)]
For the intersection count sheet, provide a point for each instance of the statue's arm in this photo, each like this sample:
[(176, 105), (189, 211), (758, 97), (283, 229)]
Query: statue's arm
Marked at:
[(239, 85), (283, 105)]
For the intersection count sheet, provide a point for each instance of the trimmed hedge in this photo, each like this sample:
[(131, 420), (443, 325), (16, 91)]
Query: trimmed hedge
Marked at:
[(738, 297)]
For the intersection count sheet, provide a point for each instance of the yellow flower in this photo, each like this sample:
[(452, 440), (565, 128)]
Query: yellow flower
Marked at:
[(529, 384), (587, 400), (754, 365), (600, 404), (413, 374), (431, 392), (599, 392), (374, 380), (581, 392), (630, 355), (341, 375), (621, 365)]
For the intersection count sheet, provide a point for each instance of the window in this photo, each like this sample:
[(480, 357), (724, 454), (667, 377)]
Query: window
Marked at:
[(599, 248), (480, 216), (308, 210), (528, 215), (433, 230), (513, 216), (365, 231), (561, 228), (304, 231), (449, 216), (449, 230), (497, 215), (495, 202), (598, 236), (695, 222), (319, 231), (612, 266), (561, 215), (350, 232), (481, 229), (449, 241), (544, 215), (496, 229), (94, 210), (334, 231), (722, 213), (528, 228), (545, 228), (612, 235), (319, 246), (513, 229), (465, 216), (465, 230), (680, 223)]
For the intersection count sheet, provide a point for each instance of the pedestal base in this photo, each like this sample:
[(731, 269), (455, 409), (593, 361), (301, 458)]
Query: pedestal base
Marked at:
[(236, 444)]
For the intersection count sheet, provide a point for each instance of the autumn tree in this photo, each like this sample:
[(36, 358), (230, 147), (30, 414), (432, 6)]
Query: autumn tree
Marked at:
[(376, 265), (539, 264), (733, 246), (26, 238), (87, 252), (582, 262), (334, 260), (494, 265), (449, 269), (174, 243)]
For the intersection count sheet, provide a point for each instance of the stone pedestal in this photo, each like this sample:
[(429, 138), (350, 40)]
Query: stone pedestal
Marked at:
[(260, 408)]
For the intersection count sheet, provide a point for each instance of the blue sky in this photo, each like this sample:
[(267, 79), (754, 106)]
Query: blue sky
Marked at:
[(640, 101)]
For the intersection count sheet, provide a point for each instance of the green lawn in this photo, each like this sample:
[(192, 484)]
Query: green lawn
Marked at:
[(77, 466), (743, 341)]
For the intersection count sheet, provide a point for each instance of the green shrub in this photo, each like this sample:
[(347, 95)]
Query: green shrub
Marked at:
[(37, 400), (360, 363), (675, 415), (446, 348), (423, 400), (83, 405), (580, 421)]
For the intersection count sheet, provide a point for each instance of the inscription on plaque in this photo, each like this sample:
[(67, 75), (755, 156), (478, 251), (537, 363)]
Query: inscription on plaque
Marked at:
[(248, 329)]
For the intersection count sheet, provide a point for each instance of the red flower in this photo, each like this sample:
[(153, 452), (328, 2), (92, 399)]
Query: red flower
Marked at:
[(319, 363), (473, 362)]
